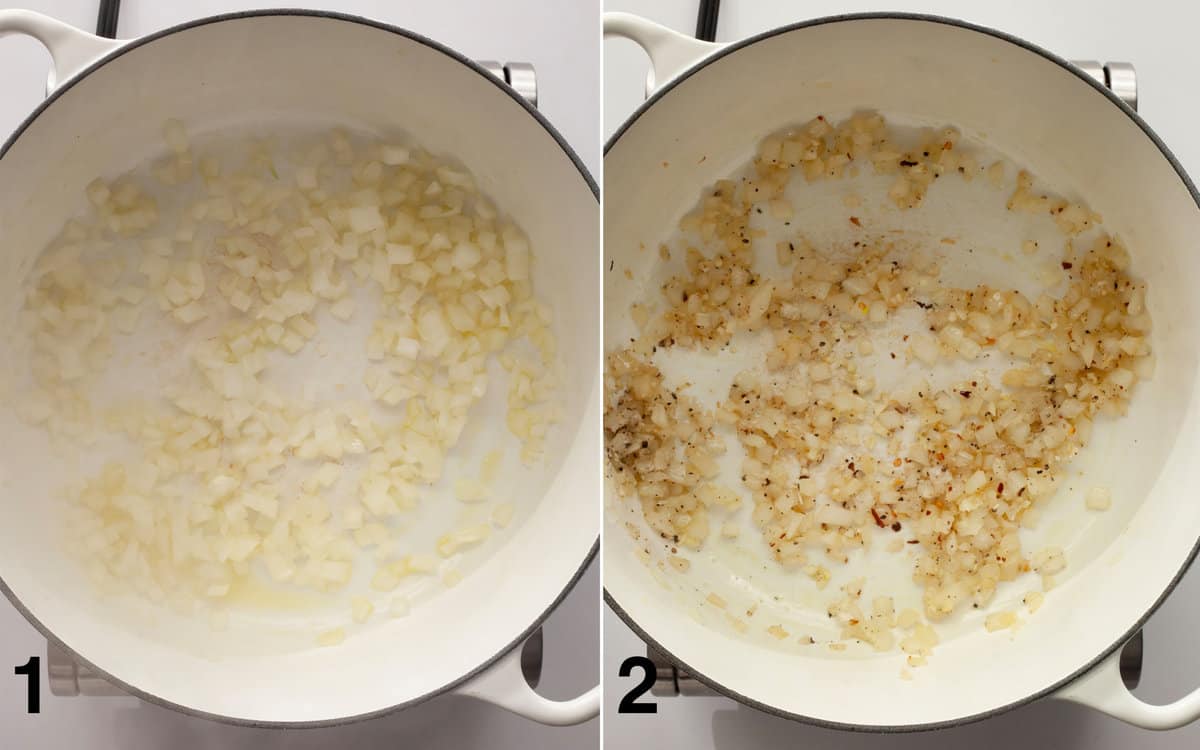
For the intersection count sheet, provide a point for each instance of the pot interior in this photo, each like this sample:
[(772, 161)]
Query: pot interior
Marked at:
[(280, 74), (1041, 116)]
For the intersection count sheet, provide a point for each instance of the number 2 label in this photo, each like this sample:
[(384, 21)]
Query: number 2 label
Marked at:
[(629, 704)]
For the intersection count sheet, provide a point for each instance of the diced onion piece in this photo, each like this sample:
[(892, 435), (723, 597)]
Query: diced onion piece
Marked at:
[(502, 514), (332, 637), (399, 607), (394, 155), (364, 219), (361, 608), (98, 192), (1099, 498), (1000, 621), (400, 255), (386, 578), (422, 564), (470, 490)]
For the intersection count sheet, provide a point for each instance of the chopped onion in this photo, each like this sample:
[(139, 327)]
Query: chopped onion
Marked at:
[(235, 470)]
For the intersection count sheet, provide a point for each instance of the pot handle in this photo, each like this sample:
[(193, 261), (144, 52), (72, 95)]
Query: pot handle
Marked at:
[(1103, 689), (504, 684), (670, 52), (71, 49)]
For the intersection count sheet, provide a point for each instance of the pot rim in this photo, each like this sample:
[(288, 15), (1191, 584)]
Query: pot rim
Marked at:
[(734, 47), (583, 173)]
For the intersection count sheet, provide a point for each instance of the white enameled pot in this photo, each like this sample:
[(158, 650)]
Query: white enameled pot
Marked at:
[(712, 104), (279, 70)]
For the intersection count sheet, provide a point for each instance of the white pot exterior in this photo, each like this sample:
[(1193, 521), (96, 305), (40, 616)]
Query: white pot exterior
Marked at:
[(282, 68), (1077, 139)]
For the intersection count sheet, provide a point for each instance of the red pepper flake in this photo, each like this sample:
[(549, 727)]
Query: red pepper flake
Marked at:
[(878, 520), (913, 541), (1066, 265), (1000, 488), (854, 220), (896, 526)]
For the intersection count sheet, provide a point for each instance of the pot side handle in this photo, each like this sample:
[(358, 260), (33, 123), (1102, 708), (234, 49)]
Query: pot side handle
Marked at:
[(1103, 689), (504, 685), (670, 52), (71, 49)]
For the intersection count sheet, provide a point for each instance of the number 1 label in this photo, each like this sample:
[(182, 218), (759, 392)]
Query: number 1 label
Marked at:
[(32, 670)]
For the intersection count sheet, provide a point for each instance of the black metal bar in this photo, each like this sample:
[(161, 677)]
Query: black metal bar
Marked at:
[(106, 19), (706, 20)]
